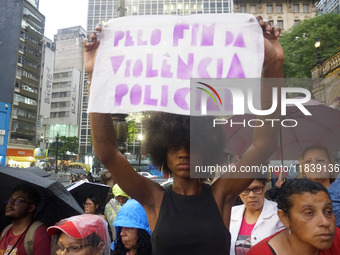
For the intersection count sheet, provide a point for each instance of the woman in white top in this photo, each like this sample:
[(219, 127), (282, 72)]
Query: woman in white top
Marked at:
[(253, 221)]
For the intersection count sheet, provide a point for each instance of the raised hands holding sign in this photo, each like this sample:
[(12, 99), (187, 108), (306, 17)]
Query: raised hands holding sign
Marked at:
[(148, 67)]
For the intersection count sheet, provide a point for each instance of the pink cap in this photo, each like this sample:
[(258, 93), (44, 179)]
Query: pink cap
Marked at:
[(80, 226)]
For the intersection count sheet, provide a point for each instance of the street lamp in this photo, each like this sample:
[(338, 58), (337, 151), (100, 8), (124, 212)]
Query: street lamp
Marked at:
[(317, 45), (140, 138), (56, 154)]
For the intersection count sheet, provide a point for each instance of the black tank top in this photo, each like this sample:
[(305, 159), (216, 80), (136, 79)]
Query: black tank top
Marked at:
[(190, 225)]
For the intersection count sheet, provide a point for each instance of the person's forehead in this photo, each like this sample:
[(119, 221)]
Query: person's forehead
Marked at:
[(315, 152), (19, 194), (306, 199), (255, 183), (68, 240)]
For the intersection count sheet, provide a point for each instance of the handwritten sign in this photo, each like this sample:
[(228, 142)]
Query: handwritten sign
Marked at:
[(144, 63)]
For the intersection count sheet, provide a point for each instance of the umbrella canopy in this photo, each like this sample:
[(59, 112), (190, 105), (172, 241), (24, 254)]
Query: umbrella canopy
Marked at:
[(56, 202), (38, 171), (82, 189), (320, 128)]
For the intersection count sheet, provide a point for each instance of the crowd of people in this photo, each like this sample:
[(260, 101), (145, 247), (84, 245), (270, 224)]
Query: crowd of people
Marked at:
[(190, 216)]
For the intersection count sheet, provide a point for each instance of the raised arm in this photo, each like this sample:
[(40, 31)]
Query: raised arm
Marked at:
[(265, 138), (147, 192)]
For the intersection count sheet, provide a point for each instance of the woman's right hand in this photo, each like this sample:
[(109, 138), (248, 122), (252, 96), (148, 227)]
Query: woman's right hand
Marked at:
[(90, 50)]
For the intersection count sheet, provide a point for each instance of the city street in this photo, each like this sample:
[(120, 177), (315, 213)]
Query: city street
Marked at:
[(62, 177)]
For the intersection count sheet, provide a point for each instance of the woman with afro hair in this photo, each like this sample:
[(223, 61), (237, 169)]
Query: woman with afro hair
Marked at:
[(189, 217)]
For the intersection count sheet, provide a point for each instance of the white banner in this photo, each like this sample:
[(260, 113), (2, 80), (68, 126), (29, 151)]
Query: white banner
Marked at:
[(144, 63)]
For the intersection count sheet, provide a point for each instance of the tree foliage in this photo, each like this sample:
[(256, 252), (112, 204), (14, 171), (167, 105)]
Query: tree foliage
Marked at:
[(298, 44), (132, 131), (65, 144)]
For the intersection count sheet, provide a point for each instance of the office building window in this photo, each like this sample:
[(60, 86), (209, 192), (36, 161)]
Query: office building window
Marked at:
[(296, 22), (305, 8), (252, 9), (280, 23), (279, 8), (269, 8), (243, 8), (296, 8)]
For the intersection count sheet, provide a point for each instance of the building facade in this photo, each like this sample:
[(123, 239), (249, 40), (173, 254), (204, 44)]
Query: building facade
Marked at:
[(285, 14), (67, 81), (326, 86), (21, 79)]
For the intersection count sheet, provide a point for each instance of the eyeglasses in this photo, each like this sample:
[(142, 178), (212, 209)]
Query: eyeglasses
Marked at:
[(88, 204), (71, 248), (256, 190), (17, 201)]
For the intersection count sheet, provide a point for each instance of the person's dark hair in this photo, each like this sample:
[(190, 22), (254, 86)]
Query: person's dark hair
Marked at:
[(95, 200), (143, 244), (262, 180), (93, 240), (165, 130), (30, 190), (296, 187)]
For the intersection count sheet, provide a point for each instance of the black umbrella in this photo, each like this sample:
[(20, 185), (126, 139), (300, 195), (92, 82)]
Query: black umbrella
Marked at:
[(82, 189), (38, 171), (56, 202)]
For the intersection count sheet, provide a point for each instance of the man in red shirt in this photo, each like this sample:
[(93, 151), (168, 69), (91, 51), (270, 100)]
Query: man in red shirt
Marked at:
[(20, 209)]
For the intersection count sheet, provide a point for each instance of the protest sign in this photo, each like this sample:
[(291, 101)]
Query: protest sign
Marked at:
[(145, 63)]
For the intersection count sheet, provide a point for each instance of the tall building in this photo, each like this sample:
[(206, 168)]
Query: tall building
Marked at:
[(285, 14), (45, 94), (103, 10), (328, 6), (67, 81), (20, 74)]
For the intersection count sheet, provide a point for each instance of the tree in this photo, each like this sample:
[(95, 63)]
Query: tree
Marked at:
[(132, 131), (298, 44), (66, 145)]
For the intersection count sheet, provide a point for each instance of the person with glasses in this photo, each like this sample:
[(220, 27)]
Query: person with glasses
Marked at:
[(92, 206), (305, 208), (24, 235), (253, 221), (84, 234)]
